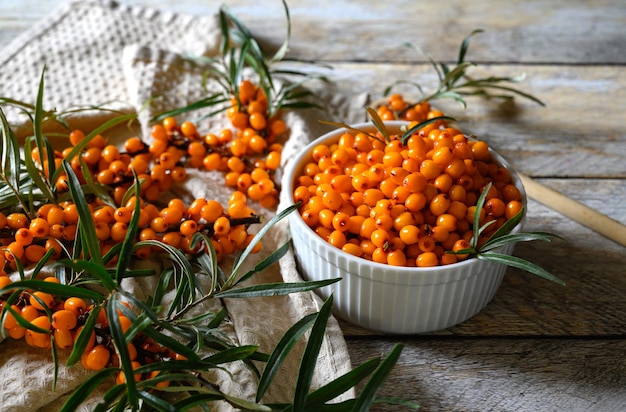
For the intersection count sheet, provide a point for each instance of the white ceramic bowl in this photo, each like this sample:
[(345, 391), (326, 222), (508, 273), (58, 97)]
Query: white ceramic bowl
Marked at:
[(391, 299)]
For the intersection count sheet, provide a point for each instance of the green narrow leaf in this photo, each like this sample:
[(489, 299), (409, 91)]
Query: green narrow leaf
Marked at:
[(176, 256), (200, 399), (25, 323), (87, 228), (86, 389), (347, 127), (35, 175), (280, 352), (274, 289), (517, 92), (156, 402), (257, 238), (57, 289), (233, 354), (126, 253), (109, 397), (455, 74), (508, 226), (368, 394), (217, 320), (83, 337), (479, 205), (171, 343), (44, 260), (121, 347), (224, 29), (515, 238), (207, 260), (282, 51), (378, 123), (93, 269), (453, 95), (465, 45), (10, 154), (343, 383), (268, 261), (425, 123), (92, 187), (55, 362), (311, 352), (210, 101), (519, 263)]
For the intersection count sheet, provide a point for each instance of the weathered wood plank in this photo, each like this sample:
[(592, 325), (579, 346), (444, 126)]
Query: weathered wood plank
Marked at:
[(503, 374), (579, 133), (536, 31), (538, 141)]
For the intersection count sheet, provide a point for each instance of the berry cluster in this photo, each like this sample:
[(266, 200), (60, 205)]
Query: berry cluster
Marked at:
[(248, 155), (405, 202)]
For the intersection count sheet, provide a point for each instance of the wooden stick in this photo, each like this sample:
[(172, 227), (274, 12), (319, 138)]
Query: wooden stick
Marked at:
[(604, 225)]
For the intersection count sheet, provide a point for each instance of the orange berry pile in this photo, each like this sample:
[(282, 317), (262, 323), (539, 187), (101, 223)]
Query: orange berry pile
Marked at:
[(65, 323), (404, 203), (248, 155)]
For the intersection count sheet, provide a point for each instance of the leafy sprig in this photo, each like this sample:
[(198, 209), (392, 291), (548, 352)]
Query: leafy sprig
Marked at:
[(501, 237), (504, 236), (455, 82), (239, 51), (98, 278)]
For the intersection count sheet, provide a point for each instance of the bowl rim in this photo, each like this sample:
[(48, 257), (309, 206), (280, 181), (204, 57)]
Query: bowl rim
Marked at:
[(288, 186)]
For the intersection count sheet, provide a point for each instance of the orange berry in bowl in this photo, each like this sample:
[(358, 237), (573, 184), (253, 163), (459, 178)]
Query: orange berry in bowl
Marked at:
[(415, 204)]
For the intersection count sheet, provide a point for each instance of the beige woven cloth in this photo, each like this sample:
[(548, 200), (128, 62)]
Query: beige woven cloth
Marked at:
[(101, 51)]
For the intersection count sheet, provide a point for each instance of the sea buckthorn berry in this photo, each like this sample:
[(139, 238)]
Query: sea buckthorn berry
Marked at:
[(427, 259), (118, 231), (40, 340), (409, 234), (17, 220), (448, 259), (353, 249), (396, 258), (380, 255), (34, 253), (512, 208), (76, 305), (221, 226), (96, 358), (9, 321), (41, 300), (103, 232), (380, 238), (447, 221), (461, 244), (511, 192), (440, 204), (76, 136), (23, 237), (429, 169), (64, 319), (63, 338), (495, 207)]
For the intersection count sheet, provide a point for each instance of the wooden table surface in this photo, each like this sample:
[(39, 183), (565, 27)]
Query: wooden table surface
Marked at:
[(537, 346)]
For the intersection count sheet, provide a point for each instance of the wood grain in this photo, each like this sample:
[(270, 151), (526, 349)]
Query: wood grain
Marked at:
[(537, 346), (503, 374), (535, 31)]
